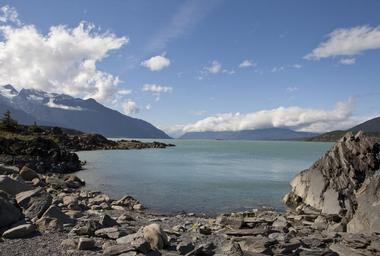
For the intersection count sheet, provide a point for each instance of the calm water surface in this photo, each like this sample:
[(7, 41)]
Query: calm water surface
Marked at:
[(200, 175)]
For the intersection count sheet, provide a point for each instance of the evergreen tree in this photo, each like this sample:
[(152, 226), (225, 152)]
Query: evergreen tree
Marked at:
[(8, 123)]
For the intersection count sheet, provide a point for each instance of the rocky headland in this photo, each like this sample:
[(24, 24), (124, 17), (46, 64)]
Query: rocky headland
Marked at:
[(333, 210)]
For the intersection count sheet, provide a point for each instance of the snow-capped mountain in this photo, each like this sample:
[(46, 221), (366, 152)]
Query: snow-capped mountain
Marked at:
[(29, 105)]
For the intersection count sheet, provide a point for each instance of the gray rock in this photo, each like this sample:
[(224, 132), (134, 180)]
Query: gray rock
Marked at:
[(233, 222), (135, 241), (118, 249), (69, 243), (106, 221), (28, 174), (345, 182), (185, 247), (86, 243), (367, 216), (112, 233), (55, 212), (232, 249), (9, 213), (204, 230), (12, 186), (19, 231), (34, 202)]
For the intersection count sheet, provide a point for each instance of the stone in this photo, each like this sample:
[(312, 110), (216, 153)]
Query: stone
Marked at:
[(184, 247), (127, 201), (55, 212), (258, 244), (86, 243), (280, 223), (367, 218), (204, 230), (232, 249), (155, 235), (112, 233), (86, 227), (19, 231), (28, 174), (34, 202), (106, 221), (247, 232), (233, 222), (337, 227), (99, 199), (12, 186), (69, 243), (48, 224), (9, 213), (67, 200), (345, 182), (118, 249)]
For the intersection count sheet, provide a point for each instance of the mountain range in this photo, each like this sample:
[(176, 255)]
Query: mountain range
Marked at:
[(258, 134), (87, 115)]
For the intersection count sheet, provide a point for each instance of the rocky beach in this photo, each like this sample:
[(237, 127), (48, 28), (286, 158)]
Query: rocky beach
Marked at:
[(45, 208)]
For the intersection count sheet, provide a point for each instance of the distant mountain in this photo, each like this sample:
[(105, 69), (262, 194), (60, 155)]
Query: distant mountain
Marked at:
[(258, 134), (371, 127), (88, 115)]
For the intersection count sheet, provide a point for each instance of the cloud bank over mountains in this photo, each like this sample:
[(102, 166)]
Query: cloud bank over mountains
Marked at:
[(296, 118)]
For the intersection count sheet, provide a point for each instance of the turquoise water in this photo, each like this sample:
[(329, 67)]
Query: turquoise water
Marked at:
[(202, 176)]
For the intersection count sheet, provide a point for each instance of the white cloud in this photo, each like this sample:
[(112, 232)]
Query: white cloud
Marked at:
[(347, 42), (214, 68), (148, 107), (296, 66), (63, 61), (347, 61), (124, 92), (156, 63), (187, 16), (292, 89), (130, 107), (52, 104), (297, 118), (247, 64), (278, 69), (155, 88), (9, 14)]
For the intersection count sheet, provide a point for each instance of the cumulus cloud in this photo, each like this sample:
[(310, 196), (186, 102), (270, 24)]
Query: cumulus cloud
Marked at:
[(296, 118), (130, 108), (347, 61), (156, 63), (64, 60), (124, 92), (247, 64), (9, 14), (347, 42)]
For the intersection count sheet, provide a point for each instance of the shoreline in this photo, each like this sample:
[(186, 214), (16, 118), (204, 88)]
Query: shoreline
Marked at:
[(57, 213)]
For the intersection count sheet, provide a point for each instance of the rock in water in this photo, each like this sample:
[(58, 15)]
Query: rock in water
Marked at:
[(344, 181)]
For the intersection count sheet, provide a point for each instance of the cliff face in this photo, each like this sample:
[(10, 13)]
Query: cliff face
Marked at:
[(345, 181)]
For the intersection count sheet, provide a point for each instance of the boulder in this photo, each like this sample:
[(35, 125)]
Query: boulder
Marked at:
[(34, 202), (54, 212), (9, 213), (106, 221), (28, 174), (86, 243), (367, 216), (345, 182), (12, 186), (19, 231)]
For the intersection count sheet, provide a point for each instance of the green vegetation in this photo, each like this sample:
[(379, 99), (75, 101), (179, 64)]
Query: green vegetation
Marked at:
[(8, 123)]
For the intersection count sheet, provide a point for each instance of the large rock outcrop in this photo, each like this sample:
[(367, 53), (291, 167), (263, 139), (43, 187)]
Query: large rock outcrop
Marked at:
[(40, 154), (345, 182)]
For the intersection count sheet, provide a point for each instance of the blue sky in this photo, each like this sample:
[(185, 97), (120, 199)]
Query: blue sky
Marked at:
[(203, 87)]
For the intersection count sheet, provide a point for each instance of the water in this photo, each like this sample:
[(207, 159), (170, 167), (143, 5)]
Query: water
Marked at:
[(200, 175)]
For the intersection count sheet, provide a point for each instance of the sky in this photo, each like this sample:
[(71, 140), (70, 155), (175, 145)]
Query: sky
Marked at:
[(202, 65)]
